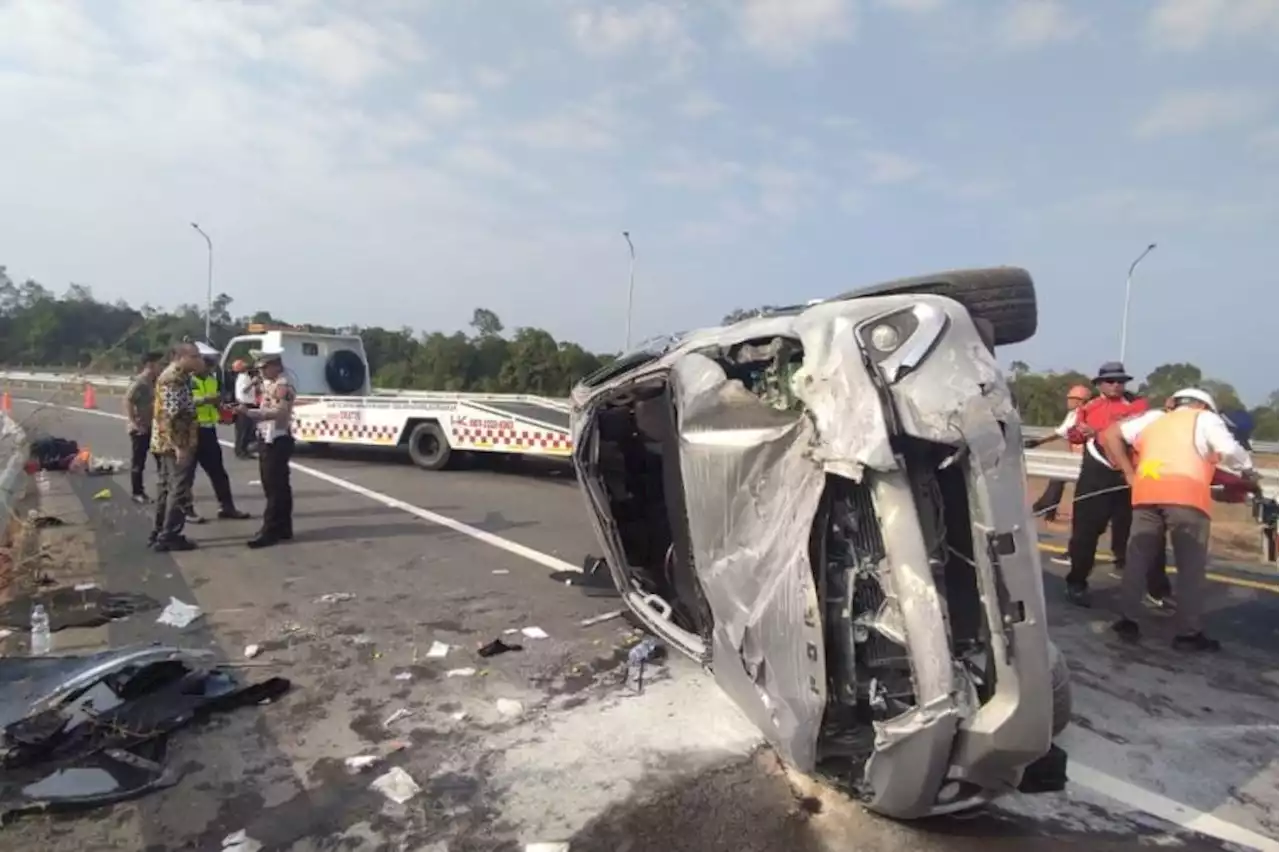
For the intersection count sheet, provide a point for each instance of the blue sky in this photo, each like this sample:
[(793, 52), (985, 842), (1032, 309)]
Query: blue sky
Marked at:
[(400, 162)]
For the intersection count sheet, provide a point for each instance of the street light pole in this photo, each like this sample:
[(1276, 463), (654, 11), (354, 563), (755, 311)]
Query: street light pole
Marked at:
[(208, 295), (1128, 293), (631, 285)]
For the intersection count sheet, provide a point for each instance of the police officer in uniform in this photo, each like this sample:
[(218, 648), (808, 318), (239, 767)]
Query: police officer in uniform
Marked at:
[(208, 399), (273, 418)]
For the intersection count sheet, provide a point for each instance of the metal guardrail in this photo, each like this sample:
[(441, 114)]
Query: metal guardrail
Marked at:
[(13, 457), (34, 377), (1270, 448)]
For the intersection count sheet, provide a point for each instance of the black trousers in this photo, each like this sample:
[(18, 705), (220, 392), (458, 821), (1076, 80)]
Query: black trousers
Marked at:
[(273, 470), (1102, 498), (139, 449), (173, 495), (1047, 504), (209, 457), (246, 434)]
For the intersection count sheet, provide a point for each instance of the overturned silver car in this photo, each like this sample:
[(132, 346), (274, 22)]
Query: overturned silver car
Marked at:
[(827, 505)]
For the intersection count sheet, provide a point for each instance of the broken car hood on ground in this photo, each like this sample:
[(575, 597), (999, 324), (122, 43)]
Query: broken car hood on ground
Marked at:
[(85, 731)]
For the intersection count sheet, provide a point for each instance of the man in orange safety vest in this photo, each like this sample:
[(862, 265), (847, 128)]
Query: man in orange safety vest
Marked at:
[(1171, 471)]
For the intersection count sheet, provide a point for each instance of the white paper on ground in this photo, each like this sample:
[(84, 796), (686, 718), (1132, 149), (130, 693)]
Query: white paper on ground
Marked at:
[(438, 651), (396, 785), (534, 632), (510, 707), (467, 672), (240, 841), (179, 614)]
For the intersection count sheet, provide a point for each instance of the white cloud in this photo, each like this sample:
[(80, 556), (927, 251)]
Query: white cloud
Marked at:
[(699, 105), (446, 105), (913, 7), (1198, 110), (590, 126), (886, 167), (787, 30), (611, 31), (783, 192), (1186, 25), (690, 172), (491, 78), (1028, 24)]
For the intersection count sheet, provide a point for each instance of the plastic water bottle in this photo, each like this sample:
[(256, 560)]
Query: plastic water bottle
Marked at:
[(41, 641)]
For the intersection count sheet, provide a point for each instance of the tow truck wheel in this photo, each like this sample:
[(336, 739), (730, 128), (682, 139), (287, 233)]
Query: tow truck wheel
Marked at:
[(428, 447)]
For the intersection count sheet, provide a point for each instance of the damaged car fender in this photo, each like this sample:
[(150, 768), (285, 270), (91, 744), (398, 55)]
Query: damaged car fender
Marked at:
[(752, 488)]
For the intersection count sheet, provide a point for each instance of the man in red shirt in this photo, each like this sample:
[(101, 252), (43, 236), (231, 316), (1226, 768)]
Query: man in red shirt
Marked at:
[(1102, 494)]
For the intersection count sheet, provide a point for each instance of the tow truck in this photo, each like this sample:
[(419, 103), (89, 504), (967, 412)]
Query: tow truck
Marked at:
[(337, 405)]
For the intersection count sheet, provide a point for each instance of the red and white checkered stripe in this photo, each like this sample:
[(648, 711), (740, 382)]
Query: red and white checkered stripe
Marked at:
[(544, 440), (364, 433)]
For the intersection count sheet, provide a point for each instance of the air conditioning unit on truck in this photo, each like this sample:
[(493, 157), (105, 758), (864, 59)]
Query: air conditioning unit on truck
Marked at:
[(337, 405)]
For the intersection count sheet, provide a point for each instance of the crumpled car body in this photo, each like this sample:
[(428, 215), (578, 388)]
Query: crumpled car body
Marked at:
[(828, 507)]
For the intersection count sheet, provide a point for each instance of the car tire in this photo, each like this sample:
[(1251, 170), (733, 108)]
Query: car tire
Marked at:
[(345, 372), (428, 447), (1004, 296), (1061, 680)]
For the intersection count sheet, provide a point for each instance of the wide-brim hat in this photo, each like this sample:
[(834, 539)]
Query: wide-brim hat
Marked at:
[(266, 356), (1112, 371)]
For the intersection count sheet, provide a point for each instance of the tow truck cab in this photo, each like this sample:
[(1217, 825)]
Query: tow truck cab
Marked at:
[(318, 364)]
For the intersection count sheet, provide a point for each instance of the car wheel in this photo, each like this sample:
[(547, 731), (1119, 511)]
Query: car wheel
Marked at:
[(1061, 679), (1004, 296)]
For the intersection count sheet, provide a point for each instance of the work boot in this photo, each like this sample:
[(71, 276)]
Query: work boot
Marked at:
[(232, 514), (262, 540), (1196, 642), (141, 498), (173, 545), (1127, 629), (1078, 595)]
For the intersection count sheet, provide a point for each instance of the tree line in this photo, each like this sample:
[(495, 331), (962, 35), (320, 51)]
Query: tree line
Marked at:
[(38, 327)]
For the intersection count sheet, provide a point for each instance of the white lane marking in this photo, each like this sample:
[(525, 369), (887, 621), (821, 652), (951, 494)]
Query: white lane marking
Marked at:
[(1118, 789), (488, 538), (1177, 813)]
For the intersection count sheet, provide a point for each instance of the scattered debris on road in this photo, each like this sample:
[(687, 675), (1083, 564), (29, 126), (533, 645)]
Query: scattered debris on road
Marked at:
[(546, 847), (438, 651), (79, 732), (402, 713), (178, 614), (534, 633), (509, 707), (396, 785), (335, 597), (360, 762), (463, 672), (240, 841), (104, 494), (496, 647), (600, 619), (251, 651)]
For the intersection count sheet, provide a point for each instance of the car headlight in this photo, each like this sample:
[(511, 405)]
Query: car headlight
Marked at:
[(897, 342)]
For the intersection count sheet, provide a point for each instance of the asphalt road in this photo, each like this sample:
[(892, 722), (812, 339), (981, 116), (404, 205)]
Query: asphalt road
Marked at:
[(1162, 744)]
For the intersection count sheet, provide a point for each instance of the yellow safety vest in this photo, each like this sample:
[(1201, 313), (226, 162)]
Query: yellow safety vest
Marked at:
[(206, 415)]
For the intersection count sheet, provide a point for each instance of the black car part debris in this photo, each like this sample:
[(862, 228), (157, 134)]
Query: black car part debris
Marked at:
[(496, 647), (54, 453), (80, 732), (70, 607)]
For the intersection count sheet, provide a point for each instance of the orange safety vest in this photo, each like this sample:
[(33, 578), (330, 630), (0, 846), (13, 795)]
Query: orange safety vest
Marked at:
[(1170, 470)]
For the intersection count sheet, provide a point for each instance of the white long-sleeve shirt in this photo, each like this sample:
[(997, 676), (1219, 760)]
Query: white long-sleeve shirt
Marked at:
[(1211, 436), (1067, 423), (245, 392)]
